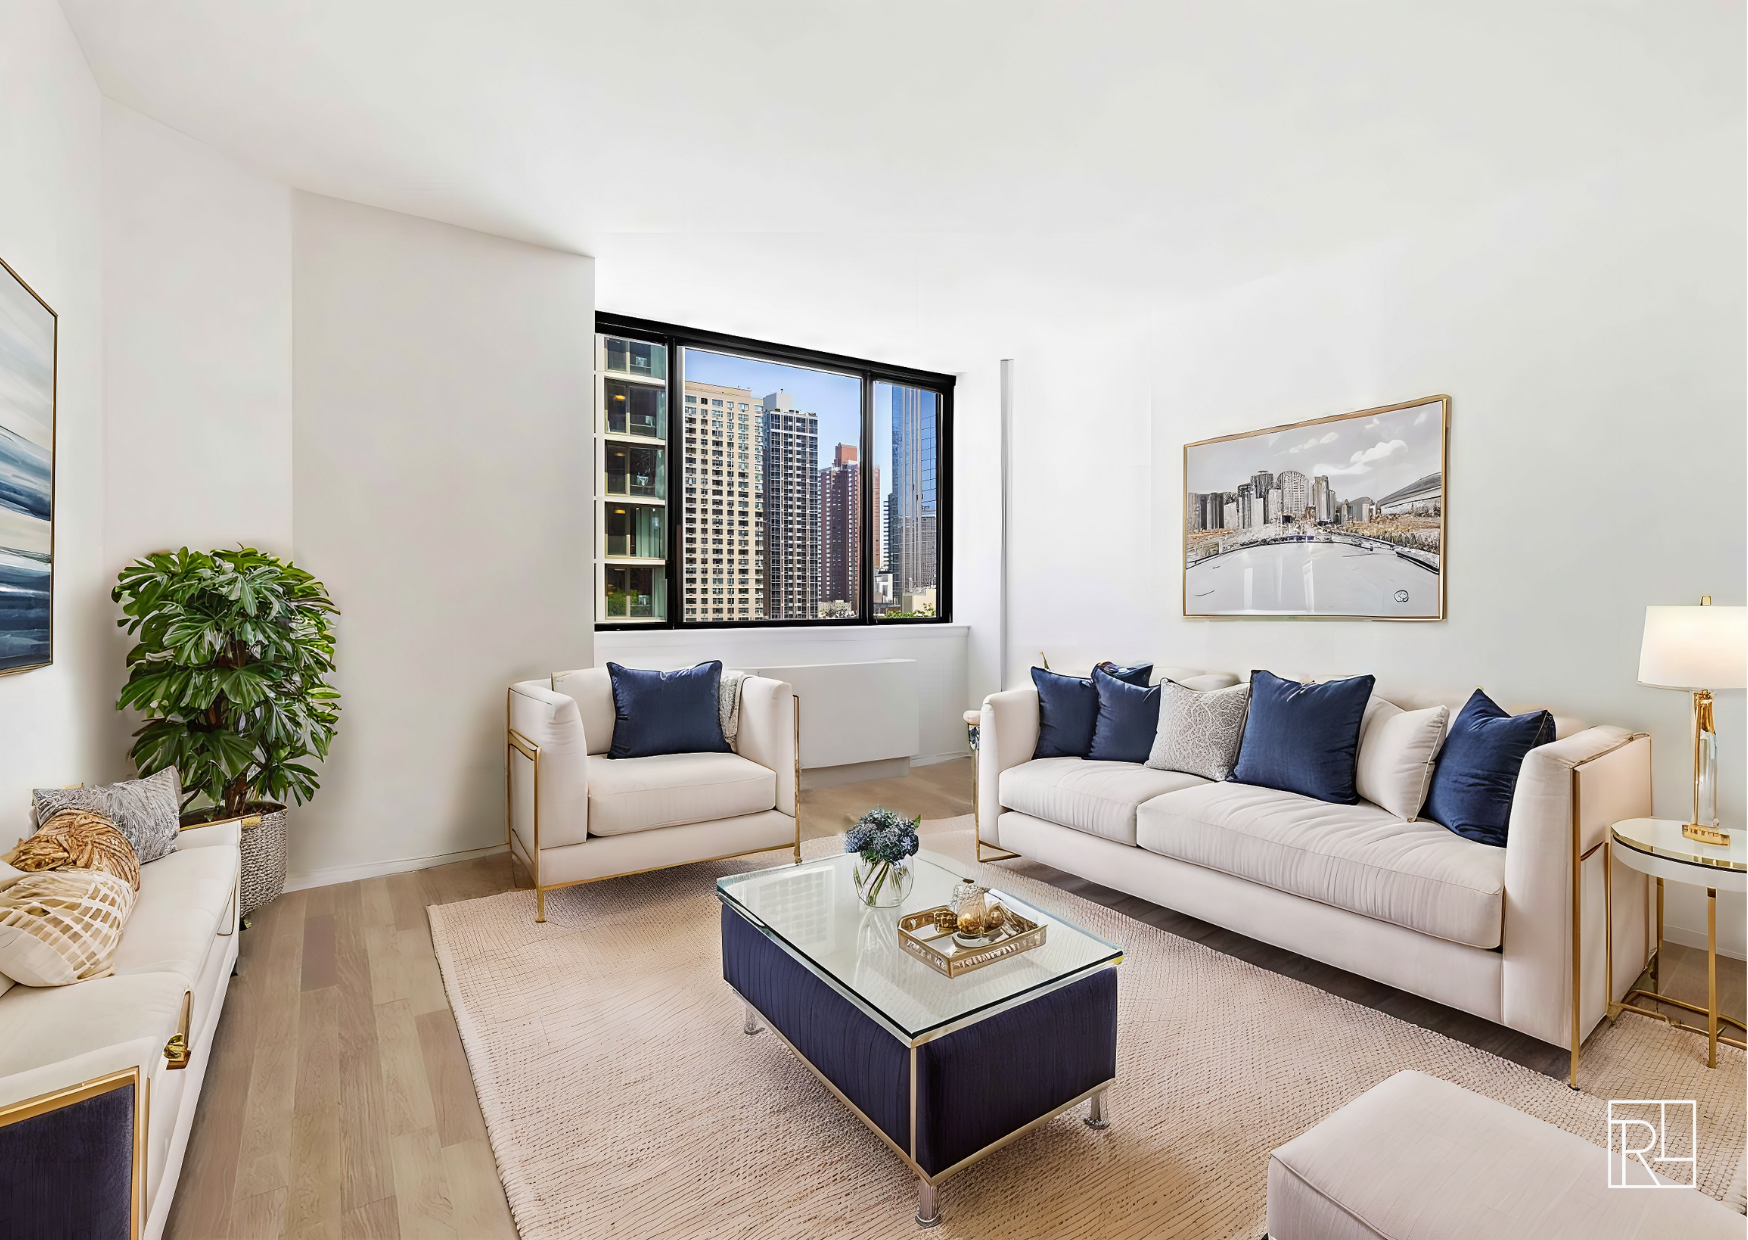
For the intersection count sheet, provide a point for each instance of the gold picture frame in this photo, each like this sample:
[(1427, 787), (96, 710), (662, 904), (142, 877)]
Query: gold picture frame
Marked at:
[(1291, 529)]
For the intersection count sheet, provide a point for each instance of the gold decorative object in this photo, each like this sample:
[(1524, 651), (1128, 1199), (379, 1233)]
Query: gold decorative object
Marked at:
[(946, 920), (1705, 835), (972, 906), (942, 951), (997, 916), (77, 839)]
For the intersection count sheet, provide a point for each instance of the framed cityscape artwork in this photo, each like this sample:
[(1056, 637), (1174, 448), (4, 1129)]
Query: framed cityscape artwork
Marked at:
[(1338, 518), (27, 476)]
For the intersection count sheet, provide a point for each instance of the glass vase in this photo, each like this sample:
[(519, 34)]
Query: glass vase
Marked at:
[(882, 884)]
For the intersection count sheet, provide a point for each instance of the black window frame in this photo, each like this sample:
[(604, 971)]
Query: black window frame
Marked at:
[(675, 337)]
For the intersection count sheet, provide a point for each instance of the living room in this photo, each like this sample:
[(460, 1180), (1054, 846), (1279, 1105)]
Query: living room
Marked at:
[(1068, 341)]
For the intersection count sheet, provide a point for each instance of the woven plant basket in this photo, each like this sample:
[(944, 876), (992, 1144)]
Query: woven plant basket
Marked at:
[(263, 859), (263, 879)]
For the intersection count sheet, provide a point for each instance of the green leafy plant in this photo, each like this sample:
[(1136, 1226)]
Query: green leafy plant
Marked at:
[(234, 648)]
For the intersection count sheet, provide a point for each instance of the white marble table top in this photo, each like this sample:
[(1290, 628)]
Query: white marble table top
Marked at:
[(1644, 842)]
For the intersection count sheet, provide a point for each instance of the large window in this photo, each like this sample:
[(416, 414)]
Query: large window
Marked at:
[(748, 483)]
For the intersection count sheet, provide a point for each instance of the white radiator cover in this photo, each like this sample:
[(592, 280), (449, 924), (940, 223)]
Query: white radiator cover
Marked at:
[(854, 712)]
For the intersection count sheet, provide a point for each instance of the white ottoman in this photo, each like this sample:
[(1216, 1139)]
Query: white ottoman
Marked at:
[(1417, 1158)]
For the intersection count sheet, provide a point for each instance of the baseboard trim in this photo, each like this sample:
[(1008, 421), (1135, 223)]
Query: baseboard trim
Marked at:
[(1696, 938), (929, 759), (376, 869)]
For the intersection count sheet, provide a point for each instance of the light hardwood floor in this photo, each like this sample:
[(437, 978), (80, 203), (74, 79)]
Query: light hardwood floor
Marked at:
[(338, 1101)]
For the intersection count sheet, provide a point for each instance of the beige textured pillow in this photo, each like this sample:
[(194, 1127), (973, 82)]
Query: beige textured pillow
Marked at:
[(1397, 751), (62, 926)]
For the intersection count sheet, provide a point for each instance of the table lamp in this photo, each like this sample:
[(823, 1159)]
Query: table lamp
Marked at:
[(1698, 649)]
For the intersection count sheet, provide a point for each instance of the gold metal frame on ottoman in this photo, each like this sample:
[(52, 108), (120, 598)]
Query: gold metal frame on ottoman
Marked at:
[(516, 743)]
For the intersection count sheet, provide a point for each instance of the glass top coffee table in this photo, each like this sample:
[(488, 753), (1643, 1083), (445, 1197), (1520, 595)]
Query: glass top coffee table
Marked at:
[(943, 1069)]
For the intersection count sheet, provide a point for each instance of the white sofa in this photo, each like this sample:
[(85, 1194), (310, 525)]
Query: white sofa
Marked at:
[(171, 973), (574, 815), (1487, 930)]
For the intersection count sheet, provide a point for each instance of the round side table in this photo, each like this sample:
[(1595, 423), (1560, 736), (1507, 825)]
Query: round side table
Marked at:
[(1656, 846)]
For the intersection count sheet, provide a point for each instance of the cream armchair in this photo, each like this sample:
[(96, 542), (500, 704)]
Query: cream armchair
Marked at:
[(574, 815)]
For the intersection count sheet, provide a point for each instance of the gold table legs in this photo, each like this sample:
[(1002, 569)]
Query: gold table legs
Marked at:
[(1714, 1018)]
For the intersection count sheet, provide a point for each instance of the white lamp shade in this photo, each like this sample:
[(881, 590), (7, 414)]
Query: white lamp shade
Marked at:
[(1695, 648)]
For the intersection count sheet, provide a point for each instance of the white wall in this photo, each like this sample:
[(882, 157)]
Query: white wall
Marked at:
[(53, 720), (196, 346), (441, 489), (1591, 336)]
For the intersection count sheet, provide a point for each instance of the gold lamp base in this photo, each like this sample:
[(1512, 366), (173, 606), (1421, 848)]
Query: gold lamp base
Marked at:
[(1705, 835)]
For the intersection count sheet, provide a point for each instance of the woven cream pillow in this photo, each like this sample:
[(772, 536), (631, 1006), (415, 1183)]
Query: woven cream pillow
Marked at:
[(62, 926)]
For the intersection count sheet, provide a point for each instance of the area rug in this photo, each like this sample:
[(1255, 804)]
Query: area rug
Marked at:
[(623, 1099)]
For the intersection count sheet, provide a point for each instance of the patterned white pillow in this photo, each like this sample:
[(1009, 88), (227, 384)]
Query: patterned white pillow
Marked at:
[(1199, 732), (58, 927), (147, 811)]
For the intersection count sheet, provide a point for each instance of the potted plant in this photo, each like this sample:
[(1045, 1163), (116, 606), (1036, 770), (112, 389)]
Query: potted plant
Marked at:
[(230, 673), (884, 843)]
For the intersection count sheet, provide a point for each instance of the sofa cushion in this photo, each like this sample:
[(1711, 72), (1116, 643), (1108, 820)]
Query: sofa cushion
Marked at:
[(1356, 857), (1198, 731), (144, 810), (44, 1026), (185, 902), (642, 794), (1423, 1158), (1303, 738), (1068, 707), (1127, 719), (1397, 751), (1476, 776), (1096, 797)]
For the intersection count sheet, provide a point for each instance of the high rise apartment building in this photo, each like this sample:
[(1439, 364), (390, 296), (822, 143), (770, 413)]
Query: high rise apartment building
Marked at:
[(791, 479), (1295, 494), (914, 502), (724, 551), (840, 532)]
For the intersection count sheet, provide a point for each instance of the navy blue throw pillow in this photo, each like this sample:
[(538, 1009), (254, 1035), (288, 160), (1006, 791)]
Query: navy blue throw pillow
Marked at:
[(1068, 706), (1303, 738), (1127, 719), (1472, 784), (666, 712)]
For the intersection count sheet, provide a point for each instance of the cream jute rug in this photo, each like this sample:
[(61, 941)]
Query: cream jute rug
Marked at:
[(622, 1098)]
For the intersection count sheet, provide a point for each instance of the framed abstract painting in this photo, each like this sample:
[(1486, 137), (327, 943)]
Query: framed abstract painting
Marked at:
[(1339, 518), (27, 476)]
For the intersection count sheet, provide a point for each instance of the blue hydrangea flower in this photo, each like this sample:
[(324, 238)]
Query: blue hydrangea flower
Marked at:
[(882, 835)]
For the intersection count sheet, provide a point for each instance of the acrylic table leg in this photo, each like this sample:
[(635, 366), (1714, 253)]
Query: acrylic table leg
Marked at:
[(752, 1022), (1712, 975), (1095, 1116), (928, 1206)]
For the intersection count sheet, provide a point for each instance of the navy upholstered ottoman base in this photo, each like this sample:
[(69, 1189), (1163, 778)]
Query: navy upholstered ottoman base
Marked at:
[(943, 1100)]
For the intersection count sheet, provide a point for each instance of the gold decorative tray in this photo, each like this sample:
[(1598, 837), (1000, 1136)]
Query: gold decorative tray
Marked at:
[(936, 948)]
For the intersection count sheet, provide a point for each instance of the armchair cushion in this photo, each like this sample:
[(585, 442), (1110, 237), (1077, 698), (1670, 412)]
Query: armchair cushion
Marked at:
[(666, 712), (666, 790)]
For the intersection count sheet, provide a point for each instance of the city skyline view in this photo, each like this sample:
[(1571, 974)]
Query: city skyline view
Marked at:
[(770, 467)]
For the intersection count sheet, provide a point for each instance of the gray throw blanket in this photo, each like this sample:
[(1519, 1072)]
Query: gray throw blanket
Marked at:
[(728, 703)]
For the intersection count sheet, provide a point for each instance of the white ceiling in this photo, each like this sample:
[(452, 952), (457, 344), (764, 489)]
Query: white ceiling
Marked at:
[(1232, 137)]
